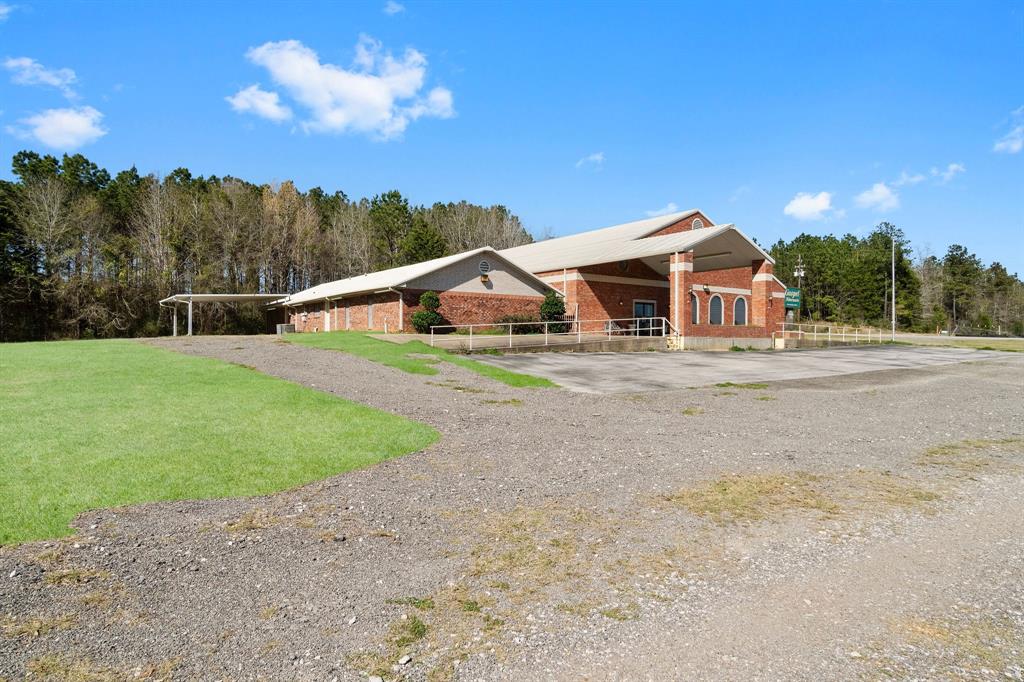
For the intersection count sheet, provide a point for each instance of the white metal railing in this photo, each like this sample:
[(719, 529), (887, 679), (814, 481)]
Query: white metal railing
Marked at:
[(552, 332), (832, 333)]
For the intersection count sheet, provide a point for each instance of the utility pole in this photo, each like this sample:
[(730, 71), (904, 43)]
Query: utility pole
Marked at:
[(894, 287), (799, 274)]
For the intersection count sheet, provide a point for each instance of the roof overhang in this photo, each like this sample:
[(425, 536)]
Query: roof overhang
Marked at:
[(220, 298)]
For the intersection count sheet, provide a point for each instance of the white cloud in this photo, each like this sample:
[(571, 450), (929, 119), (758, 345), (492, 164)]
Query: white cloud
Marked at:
[(738, 193), (261, 103), (392, 8), (670, 207), (5, 11), (879, 197), (807, 206), (64, 129), (1013, 141), (951, 171), (380, 95), (27, 71), (908, 179), (595, 161)]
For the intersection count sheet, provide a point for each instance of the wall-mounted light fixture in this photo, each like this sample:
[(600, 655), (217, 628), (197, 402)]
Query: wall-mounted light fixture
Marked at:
[(707, 289)]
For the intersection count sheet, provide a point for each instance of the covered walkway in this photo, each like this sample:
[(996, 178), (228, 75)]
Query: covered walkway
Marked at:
[(188, 299)]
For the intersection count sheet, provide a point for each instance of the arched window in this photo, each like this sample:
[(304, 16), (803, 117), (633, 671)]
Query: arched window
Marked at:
[(739, 311), (694, 309), (715, 310)]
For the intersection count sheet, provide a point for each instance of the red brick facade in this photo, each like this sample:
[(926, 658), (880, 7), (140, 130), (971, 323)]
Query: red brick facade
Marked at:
[(383, 311), (683, 225)]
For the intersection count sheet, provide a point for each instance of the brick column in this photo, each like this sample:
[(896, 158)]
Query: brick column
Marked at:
[(680, 280), (761, 293)]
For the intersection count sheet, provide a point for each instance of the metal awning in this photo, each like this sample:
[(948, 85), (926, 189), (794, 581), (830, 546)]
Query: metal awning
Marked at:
[(189, 299)]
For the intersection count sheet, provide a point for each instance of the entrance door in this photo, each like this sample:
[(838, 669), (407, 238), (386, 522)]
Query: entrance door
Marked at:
[(644, 312)]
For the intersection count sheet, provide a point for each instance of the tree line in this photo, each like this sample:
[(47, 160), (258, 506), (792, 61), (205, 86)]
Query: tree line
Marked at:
[(84, 254), (848, 280)]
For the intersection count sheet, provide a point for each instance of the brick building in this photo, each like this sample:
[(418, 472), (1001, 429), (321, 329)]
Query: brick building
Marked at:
[(476, 286), (709, 281)]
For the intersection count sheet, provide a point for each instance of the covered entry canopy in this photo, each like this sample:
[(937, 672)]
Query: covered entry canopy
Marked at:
[(189, 299)]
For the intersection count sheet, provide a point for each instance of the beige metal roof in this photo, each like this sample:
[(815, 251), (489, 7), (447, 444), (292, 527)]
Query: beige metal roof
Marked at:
[(558, 253), (219, 298), (719, 246), (396, 278)]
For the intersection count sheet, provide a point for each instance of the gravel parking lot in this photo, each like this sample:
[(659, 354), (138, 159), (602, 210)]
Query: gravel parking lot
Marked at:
[(854, 525)]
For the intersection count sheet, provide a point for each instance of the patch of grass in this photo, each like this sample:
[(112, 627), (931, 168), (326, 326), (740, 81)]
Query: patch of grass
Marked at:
[(620, 613), (737, 349), (456, 386), (765, 397), (471, 606), (407, 631), (754, 497), (511, 401), (53, 668), (420, 603), (402, 356), (75, 576), (746, 386), (966, 455), (35, 627), (973, 645), (693, 411), (94, 424)]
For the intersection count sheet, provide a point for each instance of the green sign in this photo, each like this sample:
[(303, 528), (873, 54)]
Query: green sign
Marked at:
[(792, 299)]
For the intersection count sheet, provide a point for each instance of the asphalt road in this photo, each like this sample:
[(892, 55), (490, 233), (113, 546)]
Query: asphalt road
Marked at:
[(638, 372)]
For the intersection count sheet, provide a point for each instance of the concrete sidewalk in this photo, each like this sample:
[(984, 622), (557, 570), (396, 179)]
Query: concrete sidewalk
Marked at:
[(633, 372)]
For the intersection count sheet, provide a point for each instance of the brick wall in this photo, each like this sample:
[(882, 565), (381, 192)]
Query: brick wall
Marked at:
[(462, 308), (683, 225)]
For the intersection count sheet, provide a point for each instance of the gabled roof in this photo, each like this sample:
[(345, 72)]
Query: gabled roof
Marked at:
[(630, 241), (397, 278), (553, 254)]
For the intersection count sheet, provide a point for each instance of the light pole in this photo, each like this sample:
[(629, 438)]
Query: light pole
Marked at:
[(893, 287), (799, 272)]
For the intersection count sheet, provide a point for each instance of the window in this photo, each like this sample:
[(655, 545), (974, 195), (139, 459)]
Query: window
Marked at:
[(715, 310), (739, 312), (694, 309), (697, 224)]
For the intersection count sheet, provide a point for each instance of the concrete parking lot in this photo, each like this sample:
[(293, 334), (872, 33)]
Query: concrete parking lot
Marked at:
[(638, 372)]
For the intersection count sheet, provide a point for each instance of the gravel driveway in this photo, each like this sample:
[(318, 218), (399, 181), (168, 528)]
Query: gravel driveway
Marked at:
[(859, 525)]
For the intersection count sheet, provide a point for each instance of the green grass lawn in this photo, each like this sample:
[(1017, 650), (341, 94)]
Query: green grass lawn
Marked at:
[(90, 424), (403, 356)]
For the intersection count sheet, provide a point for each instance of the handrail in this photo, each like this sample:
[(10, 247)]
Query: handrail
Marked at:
[(833, 332), (609, 328)]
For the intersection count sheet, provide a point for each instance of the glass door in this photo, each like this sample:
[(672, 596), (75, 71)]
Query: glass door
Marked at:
[(644, 312)]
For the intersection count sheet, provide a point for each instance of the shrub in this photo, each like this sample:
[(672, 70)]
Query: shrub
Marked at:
[(553, 310), (423, 320), (430, 301), (518, 327)]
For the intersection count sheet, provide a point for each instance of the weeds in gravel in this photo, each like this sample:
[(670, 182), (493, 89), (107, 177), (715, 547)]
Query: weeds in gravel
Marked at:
[(75, 576), (748, 386), (511, 401), (765, 397), (753, 497), (408, 631), (419, 603), (456, 386), (973, 645), (967, 455), (621, 613), (37, 626), (53, 668), (693, 411)]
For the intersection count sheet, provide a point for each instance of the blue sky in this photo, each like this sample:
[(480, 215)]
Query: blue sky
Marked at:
[(780, 117)]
